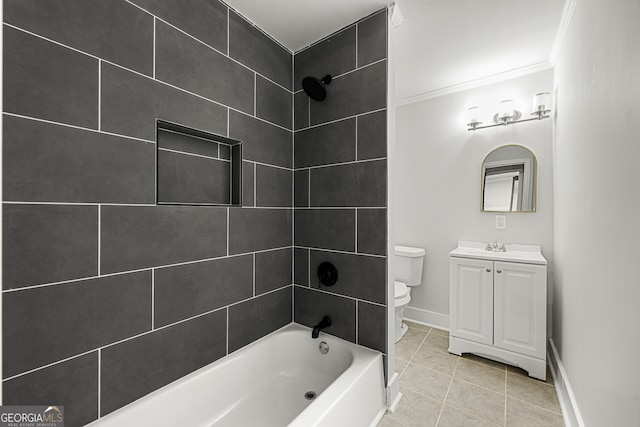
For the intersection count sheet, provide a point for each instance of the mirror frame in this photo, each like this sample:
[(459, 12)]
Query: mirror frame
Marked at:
[(532, 173)]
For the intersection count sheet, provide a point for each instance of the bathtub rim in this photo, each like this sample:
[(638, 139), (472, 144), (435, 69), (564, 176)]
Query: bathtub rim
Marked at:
[(358, 350)]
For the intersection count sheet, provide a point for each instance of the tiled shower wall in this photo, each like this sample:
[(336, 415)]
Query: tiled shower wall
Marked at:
[(340, 177), (107, 296)]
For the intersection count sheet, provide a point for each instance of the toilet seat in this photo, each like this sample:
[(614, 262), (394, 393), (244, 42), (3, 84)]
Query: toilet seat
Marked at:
[(401, 290)]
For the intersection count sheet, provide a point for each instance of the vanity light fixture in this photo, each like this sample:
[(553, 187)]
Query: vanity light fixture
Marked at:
[(507, 113)]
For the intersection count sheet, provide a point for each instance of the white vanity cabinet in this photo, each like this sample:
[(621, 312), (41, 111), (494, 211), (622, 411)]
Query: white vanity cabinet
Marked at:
[(498, 305)]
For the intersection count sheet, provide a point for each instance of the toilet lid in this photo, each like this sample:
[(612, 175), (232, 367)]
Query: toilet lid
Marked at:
[(401, 290)]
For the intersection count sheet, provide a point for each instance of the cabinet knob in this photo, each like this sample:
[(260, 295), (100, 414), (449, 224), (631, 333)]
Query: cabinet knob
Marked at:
[(488, 270), (499, 271)]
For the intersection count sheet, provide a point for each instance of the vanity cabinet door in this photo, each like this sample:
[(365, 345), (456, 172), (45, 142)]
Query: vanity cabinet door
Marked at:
[(520, 293), (471, 314)]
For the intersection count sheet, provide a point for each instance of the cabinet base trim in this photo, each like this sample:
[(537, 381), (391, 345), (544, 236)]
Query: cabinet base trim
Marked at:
[(537, 368)]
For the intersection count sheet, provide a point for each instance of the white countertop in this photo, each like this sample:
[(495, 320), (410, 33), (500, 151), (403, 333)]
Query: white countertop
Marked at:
[(527, 254)]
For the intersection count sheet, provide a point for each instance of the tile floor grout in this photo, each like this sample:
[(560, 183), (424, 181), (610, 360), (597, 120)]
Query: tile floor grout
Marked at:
[(425, 351)]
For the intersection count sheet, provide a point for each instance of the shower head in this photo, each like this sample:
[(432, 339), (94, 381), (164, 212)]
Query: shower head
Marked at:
[(316, 88)]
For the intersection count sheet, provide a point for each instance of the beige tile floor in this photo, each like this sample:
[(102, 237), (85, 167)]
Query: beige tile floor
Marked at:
[(442, 389)]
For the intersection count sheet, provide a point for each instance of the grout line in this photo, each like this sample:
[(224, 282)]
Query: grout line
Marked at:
[(99, 237), (271, 166), (254, 274), (324, 291), (356, 230), (154, 46), (64, 282), (202, 43), (444, 402), (304, 208), (356, 43), (537, 406), (309, 189), (356, 139), (340, 252), (227, 335), (161, 81), (352, 162), (359, 68), (228, 232), (357, 326), (255, 94), (99, 94), (18, 202), (506, 378), (342, 119), (142, 334), (153, 298), (308, 268), (20, 116), (228, 30), (99, 380), (185, 153), (255, 184), (228, 123)]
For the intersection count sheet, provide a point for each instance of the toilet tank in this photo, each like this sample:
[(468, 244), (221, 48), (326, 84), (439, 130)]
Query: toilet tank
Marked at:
[(408, 264)]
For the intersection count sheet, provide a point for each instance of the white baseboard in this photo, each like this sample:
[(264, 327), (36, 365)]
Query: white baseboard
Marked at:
[(426, 317), (570, 412), (393, 393)]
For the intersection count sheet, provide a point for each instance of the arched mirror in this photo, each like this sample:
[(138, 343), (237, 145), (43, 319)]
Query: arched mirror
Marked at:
[(508, 180)]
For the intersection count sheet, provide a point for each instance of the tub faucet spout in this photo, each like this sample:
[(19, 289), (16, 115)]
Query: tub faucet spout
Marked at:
[(324, 323)]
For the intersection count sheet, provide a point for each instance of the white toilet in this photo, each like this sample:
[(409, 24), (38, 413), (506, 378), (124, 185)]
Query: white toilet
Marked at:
[(408, 266)]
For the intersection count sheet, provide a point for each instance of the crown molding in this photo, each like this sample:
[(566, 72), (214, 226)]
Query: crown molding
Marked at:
[(495, 78), (565, 21)]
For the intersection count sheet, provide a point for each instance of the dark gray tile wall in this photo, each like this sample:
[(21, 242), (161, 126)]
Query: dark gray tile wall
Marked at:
[(253, 230), (94, 271), (48, 243), (372, 135), (184, 62), (188, 179), (74, 382), (187, 290), (273, 186), (135, 237), (74, 165), (261, 141), (48, 81), (257, 317), (360, 276), (340, 183), (334, 55), (134, 368), (151, 293), (203, 19), (351, 185), (73, 318), (131, 103), (113, 30), (322, 145), (256, 50), (311, 306), (273, 103), (273, 270)]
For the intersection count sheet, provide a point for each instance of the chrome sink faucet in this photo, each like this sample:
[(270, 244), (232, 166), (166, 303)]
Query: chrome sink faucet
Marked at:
[(496, 247)]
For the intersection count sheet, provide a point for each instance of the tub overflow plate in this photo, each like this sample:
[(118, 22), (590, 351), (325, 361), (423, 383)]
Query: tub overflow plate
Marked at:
[(324, 347)]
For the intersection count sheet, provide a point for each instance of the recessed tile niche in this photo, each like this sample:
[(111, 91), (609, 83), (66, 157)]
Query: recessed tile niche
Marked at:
[(194, 167)]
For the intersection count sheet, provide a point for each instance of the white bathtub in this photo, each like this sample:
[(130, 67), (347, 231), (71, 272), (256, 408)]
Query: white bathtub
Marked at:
[(264, 384)]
